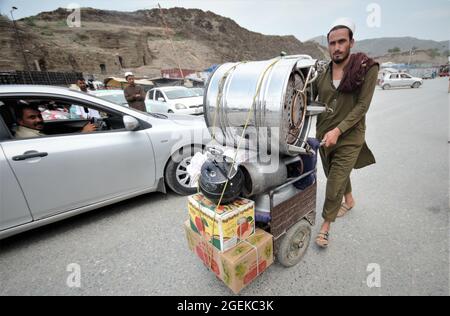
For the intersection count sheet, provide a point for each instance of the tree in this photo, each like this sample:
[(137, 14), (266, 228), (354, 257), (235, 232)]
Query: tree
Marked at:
[(394, 50), (30, 21), (434, 52)]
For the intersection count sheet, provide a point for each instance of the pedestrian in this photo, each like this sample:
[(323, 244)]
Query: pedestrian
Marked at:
[(83, 112), (134, 93), (83, 86), (347, 86)]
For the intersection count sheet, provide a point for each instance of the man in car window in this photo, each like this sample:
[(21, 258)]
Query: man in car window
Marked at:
[(31, 123)]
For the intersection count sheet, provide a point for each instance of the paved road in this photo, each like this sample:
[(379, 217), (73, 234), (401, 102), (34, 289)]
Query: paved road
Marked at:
[(400, 223)]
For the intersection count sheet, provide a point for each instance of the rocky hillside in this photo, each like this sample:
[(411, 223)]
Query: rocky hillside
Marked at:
[(381, 46), (421, 57), (113, 42)]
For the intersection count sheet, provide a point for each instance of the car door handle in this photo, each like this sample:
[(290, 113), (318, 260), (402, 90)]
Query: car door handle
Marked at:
[(30, 155)]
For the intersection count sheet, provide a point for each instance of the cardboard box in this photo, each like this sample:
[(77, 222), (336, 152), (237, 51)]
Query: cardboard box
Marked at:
[(227, 226), (239, 266)]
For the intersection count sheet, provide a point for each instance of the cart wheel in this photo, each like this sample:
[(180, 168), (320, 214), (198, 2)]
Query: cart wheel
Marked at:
[(294, 244)]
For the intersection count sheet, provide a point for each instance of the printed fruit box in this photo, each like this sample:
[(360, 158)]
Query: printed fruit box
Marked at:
[(239, 266), (226, 227)]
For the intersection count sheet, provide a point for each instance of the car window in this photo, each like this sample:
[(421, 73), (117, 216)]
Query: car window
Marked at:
[(116, 97), (4, 134), (159, 95), (52, 111), (394, 76), (151, 95), (51, 117), (4, 114), (56, 113), (180, 94), (199, 92), (406, 76)]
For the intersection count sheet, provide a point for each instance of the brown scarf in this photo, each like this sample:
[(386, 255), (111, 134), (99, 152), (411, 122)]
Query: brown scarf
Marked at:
[(355, 72)]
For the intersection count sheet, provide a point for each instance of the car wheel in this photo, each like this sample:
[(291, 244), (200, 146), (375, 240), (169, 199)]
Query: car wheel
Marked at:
[(170, 111), (416, 85), (386, 87), (176, 175)]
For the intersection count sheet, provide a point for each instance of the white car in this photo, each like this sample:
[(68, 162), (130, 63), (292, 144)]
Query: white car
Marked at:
[(65, 172), (395, 80), (180, 100)]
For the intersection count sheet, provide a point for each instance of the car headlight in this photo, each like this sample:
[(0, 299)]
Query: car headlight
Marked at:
[(180, 106)]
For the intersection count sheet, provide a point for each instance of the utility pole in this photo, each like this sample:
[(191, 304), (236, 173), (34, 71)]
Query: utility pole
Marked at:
[(171, 41), (411, 52), (19, 39)]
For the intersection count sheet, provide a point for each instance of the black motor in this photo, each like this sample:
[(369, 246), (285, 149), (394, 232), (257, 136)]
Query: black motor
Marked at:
[(214, 176)]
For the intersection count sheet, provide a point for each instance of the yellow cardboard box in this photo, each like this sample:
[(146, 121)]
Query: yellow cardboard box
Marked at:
[(227, 226), (240, 265)]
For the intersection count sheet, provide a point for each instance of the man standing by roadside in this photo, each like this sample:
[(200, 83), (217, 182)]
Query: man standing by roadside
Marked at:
[(347, 87), (77, 111), (134, 94), (83, 86)]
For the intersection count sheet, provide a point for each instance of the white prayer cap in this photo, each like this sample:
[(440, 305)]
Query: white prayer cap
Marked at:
[(344, 22)]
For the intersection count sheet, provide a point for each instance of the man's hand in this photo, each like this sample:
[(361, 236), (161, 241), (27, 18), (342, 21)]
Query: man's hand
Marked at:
[(89, 128), (332, 137)]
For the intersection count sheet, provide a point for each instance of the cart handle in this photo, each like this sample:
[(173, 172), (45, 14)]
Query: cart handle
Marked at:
[(273, 191)]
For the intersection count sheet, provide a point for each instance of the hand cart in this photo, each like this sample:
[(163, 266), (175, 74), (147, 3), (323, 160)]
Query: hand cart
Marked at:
[(290, 222)]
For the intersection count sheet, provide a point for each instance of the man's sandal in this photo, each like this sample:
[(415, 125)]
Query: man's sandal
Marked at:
[(322, 239), (344, 210)]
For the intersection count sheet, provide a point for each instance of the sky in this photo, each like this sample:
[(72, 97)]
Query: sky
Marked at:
[(304, 19)]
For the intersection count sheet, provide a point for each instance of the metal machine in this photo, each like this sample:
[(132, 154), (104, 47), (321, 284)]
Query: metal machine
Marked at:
[(265, 108), (262, 112)]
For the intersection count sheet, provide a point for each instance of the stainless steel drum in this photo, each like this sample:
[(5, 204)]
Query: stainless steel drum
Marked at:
[(270, 92)]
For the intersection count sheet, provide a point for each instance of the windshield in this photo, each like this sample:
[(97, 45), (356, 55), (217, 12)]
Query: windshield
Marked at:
[(117, 98), (198, 91), (180, 94)]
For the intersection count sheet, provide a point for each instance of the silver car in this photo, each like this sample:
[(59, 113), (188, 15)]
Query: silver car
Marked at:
[(395, 80), (65, 172)]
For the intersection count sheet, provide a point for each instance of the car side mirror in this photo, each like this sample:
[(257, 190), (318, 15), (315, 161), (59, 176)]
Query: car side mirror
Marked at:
[(131, 124), (161, 100)]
